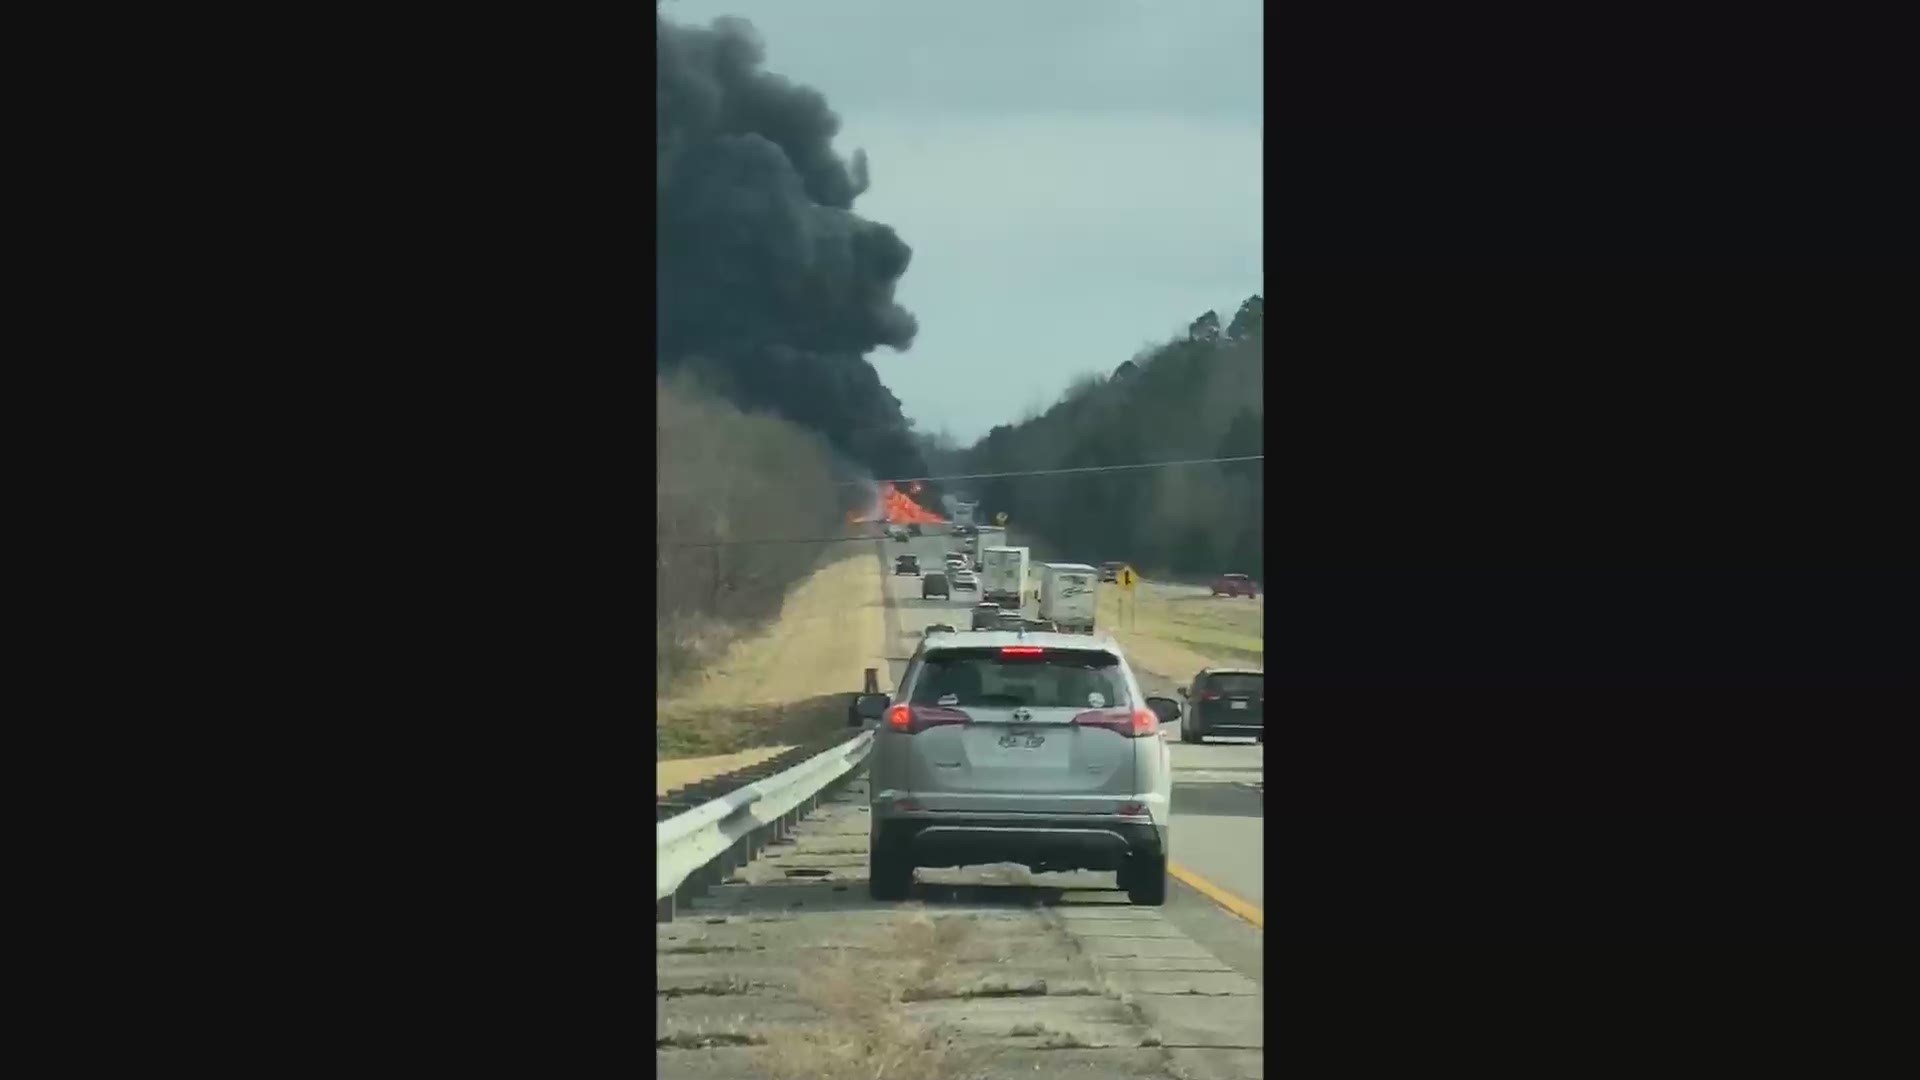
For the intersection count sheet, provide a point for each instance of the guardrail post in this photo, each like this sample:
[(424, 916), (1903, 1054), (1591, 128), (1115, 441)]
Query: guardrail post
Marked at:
[(747, 844)]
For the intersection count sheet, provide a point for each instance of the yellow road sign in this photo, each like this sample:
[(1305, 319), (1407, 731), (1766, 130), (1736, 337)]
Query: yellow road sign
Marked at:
[(1127, 577)]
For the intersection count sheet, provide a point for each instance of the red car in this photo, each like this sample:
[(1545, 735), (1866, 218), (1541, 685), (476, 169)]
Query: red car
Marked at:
[(1233, 585)]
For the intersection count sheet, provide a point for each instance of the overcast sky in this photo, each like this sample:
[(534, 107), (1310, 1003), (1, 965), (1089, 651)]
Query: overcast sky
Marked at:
[(1077, 178)]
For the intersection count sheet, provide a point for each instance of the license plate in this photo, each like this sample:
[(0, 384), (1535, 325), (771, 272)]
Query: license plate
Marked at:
[(1022, 740), (1236, 704)]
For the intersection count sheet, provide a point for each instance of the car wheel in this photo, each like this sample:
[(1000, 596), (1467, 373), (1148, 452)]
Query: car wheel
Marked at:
[(1146, 880), (889, 877), (1187, 735)]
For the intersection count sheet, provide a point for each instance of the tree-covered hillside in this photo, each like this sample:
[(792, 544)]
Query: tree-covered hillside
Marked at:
[(1198, 397)]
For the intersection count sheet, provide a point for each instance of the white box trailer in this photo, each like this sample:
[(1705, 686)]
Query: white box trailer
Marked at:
[(1003, 576), (988, 536), (1067, 595)]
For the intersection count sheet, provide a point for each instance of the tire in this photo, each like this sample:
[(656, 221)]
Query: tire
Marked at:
[(888, 876), (1187, 735), (1146, 880)]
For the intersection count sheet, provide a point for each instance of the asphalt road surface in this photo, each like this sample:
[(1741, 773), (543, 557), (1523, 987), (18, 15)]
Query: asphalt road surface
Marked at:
[(1043, 974), (1219, 802)]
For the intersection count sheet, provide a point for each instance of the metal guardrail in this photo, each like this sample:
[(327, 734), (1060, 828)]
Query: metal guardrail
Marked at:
[(703, 845)]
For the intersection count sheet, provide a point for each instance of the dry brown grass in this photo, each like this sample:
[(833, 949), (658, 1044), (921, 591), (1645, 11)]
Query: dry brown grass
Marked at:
[(1174, 636), (786, 682), (866, 1033)]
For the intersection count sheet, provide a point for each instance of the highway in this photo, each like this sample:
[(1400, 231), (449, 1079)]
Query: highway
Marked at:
[(1040, 974), (1218, 802)]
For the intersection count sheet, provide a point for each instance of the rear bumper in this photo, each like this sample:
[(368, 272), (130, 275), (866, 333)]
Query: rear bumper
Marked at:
[(1228, 725), (1041, 843)]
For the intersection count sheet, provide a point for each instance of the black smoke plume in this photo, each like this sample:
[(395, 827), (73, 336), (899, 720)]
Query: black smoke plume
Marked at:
[(771, 288)]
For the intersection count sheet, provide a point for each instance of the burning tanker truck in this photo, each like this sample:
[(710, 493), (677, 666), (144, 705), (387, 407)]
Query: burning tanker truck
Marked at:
[(897, 510)]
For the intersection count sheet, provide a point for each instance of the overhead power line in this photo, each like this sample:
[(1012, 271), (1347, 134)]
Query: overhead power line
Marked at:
[(775, 540), (1080, 469), (971, 476), (1020, 472)]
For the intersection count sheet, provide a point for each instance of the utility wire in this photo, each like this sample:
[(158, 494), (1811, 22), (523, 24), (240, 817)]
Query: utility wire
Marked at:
[(974, 476), (776, 540), (1023, 472), (1056, 472)]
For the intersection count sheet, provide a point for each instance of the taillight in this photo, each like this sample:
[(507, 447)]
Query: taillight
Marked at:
[(1210, 695), (1021, 650), (908, 719), (1133, 808), (1133, 724)]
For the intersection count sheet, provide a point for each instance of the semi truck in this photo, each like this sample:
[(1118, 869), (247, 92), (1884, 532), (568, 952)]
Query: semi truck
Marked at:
[(1003, 576), (1067, 595)]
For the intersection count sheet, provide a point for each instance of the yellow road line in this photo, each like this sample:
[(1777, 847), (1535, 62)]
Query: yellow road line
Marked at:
[(1219, 895)]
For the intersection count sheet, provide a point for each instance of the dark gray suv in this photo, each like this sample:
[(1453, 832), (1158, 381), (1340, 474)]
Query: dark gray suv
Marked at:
[(1225, 701)]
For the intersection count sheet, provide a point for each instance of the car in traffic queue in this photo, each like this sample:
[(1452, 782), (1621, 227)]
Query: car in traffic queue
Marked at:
[(934, 584), (1234, 585), (964, 580), (906, 564), (1030, 748), (1009, 620), (1225, 701), (1110, 571), (985, 616)]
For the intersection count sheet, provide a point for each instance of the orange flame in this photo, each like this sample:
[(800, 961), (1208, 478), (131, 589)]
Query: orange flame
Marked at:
[(896, 508)]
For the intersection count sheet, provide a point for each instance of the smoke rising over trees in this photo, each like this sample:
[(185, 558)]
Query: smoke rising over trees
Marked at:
[(771, 289)]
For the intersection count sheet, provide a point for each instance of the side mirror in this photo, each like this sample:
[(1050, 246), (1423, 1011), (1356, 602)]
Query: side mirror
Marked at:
[(1183, 691), (1167, 709), (869, 707)]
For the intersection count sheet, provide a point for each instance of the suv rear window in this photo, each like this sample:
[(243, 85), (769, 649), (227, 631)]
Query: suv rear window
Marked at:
[(1054, 679), (1236, 684)]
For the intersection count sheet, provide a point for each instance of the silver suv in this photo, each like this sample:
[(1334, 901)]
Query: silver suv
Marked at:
[(1020, 747)]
